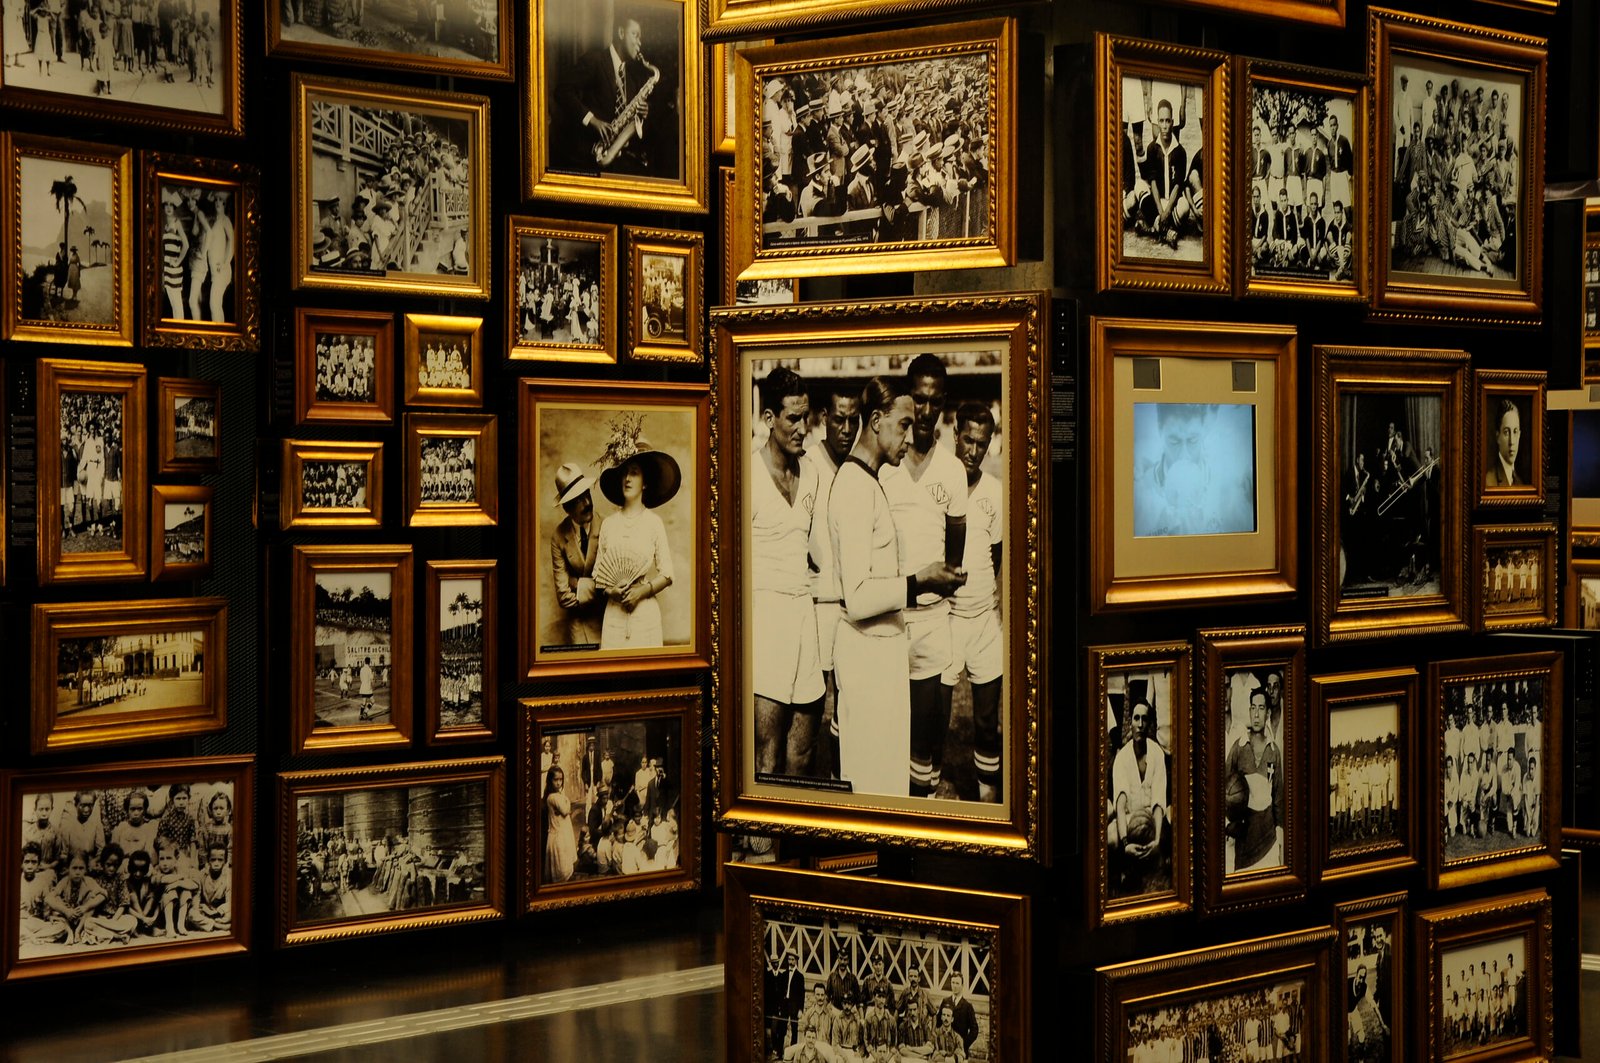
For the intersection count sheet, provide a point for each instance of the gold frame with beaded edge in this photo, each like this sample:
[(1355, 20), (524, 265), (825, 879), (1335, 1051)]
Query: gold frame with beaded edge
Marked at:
[(419, 326), (1525, 390), (604, 350), (282, 44), (487, 572), (293, 512), (647, 328), (1349, 917), (1488, 615), (482, 429)]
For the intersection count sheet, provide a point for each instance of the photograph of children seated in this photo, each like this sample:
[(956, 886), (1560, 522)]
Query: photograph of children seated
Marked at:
[(125, 867)]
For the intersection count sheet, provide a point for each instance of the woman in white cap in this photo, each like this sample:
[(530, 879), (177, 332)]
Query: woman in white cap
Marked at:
[(573, 548), (634, 562)]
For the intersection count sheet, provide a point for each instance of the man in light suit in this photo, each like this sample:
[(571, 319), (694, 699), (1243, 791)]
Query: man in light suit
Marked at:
[(572, 553)]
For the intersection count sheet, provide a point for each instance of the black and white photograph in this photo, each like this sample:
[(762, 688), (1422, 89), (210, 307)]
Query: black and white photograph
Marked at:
[(184, 540), (1303, 181), (1492, 773), (446, 362), (346, 367), (461, 651), (333, 484), (1484, 994), (67, 227), (1507, 459), (448, 469), (561, 294), (1511, 578), (1587, 592), (1253, 780), (772, 291), (662, 287), (194, 424), (353, 648), (1390, 480), (1364, 784), (91, 471), (1268, 1021), (1194, 468), (464, 33), (104, 675), (1163, 169), (1370, 983), (199, 253), (1138, 799)]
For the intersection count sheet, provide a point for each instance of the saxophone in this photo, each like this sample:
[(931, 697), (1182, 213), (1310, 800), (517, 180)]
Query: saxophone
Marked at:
[(621, 129)]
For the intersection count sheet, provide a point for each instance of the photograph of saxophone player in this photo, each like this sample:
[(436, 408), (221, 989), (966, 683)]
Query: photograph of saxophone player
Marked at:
[(615, 69)]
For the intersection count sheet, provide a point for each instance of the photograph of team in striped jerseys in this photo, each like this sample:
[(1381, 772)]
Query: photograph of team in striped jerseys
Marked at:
[(1251, 1025), (1364, 776), (1492, 753), (1163, 169)]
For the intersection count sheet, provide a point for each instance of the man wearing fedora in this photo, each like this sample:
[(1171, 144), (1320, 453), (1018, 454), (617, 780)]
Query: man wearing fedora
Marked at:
[(572, 554), (861, 195)]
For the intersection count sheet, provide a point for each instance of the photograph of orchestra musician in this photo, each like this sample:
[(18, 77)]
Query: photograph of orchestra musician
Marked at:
[(1390, 480), (1302, 192)]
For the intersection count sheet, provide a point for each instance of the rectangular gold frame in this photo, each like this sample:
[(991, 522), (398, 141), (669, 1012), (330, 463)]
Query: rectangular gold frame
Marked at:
[(58, 375), (1329, 692), (1543, 852), (119, 243), (237, 771), (435, 572), (994, 39), (469, 328), (1469, 922), (485, 506), (643, 342), (243, 184), (728, 181), (542, 181), (1490, 385), (305, 563), (1578, 570), (1000, 923), (741, 19), (377, 325), (1015, 323), (537, 715), (308, 94), (52, 733), (1385, 370), (169, 390), (1390, 908), (1119, 57), (295, 785), (1583, 511), (160, 496), (603, 352), (385, 59), (1515, 54), (1246, 566), (1329, 13), (724, 96), (1176, 657), (1529, 536), (292, 509)]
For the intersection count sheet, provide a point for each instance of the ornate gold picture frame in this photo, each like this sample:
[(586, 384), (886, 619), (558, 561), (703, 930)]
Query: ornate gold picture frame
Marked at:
[(1370, 953), (452, 469), (460, 673), (180, 531), (742, 19), (448, 38), (1510, 452), (444, 360), (666, 295), (564, 274), (1514, 576), (330, 483), (1328, 13)]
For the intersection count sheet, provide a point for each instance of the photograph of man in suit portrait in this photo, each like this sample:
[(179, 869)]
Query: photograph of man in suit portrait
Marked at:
[(1507, 417)]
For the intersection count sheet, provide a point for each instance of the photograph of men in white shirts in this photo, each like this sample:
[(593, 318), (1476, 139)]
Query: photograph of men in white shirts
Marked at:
[(828, 448)]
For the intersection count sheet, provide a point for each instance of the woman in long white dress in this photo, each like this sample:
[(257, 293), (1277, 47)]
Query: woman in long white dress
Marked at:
[(633, 562), (561, 844)]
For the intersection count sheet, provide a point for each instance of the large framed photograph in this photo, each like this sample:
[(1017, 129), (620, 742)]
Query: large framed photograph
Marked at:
[(451, 469), (1142, 782), (1370, 957), (614, 568), (1494, 801), (772, 291), (666, 295), (391, 189), (189, 425), (840, 170), (389, 848), (1459, 169), (444, 360), (612, 808), (128, 864), (1389, 476), (1252, 740), (460, 680), (1160, 113), (180, 531), (565, 277), (1270, 995), (91, 476), (1516, 576), (330, 483), (615, 106), (175, 71), (68, 254), (350, 647), (201, 284), (460, 38), (923, 659), (921, 970), (1363, 741), (1193, 477), (1583, 593), (343, 361), (1484, 989), (1303, 183), (1510, 419), (114, 673)]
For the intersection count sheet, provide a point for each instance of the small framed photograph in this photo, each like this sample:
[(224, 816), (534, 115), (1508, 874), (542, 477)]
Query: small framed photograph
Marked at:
[(1511, 462), (92, 495), (914, 967), (1583, 593), (389, 848), (1363, 740), (459, 38), (1303, 182), (612, 808), (1494, 801), (1516, 576), (201, 286), (350, 651), (444, 360), (1370, 955), (666, 291), (451, 473), (128, 864), (1484, 984), (1459, 161), (725, 94), (391, 189), (1389, 475), (916, 202), (190, 425), (614, 489), (615, 109), (1142, 782), (1193, 479), (342, 365), (460, 681), (115, 673), (69, 251), (1161, 111), (565, 277), (1253, 719), (1273, 991), (330, 483), (180, 532), (1583, 478), (772, 291), (1329, 13)]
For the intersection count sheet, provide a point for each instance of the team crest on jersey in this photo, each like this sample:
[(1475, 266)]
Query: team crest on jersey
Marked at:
[(940, 495), (987, 507), (808, 503)]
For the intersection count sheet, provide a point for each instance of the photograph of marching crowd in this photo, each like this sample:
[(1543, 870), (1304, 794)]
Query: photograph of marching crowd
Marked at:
[(1138, 801), (1302, 184), (353, 647), (1484, 995), (67, 234), (448, 468), (104, 675), (461, 651), (1492, 776), (464, 30), (1264, 1023), (1364, 795), (91, 471), (1369, 979), (333, 484), (346, 366), (198, 252), (1163, 169), (194, 426), (559, 294), (863, 470), (1390, 484), (1256, 712)]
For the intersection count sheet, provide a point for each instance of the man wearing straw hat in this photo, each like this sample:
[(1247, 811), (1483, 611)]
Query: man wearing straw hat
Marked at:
[(573, 548), (861, 195)]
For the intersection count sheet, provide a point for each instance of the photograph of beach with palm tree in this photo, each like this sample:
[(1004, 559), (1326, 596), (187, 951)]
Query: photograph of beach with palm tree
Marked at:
[(67, 241)]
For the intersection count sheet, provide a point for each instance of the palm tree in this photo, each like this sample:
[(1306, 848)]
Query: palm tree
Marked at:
[(65, 192), (94, 253)]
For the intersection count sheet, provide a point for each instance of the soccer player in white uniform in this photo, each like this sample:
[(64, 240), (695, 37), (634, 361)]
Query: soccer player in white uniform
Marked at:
[(841, 421)]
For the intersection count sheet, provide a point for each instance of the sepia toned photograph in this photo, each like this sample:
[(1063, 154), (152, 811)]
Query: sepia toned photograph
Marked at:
[(200, 254), (1511, 428), (189, 425), (666, 289), (462, 37), (92, 461), (451, 472), (459, 678), (1194, 468), (444, 360), (1516, 576), (661, 290), (565, 279), (180, 531), (1162, 169), (1485, 996), (344, 361), (1487, 979), (1368, 956), (330, 484), (1364, 785)]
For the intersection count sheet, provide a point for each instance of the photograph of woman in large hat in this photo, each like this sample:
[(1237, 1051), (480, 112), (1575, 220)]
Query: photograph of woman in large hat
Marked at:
[(634, 562)]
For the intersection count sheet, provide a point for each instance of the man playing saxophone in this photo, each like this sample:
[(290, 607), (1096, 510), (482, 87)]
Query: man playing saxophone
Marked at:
[(609, 89)]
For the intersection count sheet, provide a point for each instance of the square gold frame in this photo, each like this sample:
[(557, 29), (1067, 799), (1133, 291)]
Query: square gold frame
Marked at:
[(1389, 912), (1490, 387), (468, 328), (385, 59), (168, 391), (482, 429), (1542, 610), (1251, 566), (292, 509), (126, 380), (435, 572), (54, 731), (162, 495), (376, 325), (644, 342), (728, 181), (604, 351), (1578, 570)]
